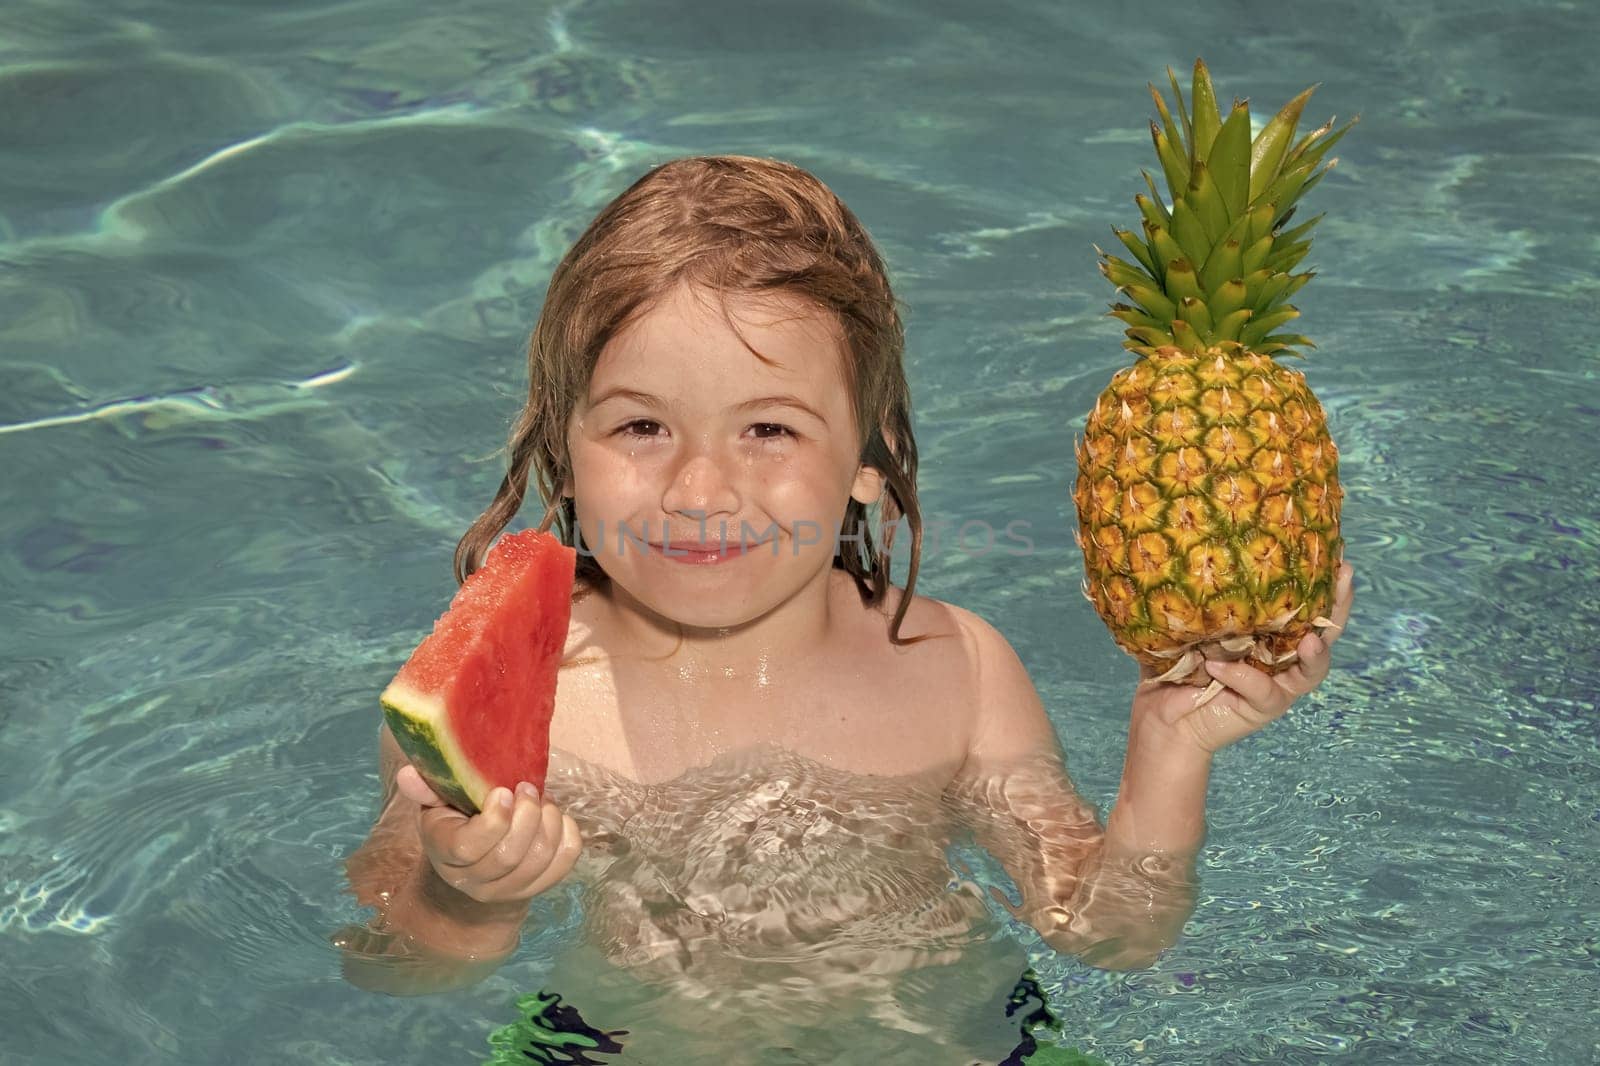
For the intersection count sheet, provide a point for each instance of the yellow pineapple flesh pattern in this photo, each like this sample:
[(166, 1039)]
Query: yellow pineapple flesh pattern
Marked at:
[(1208, 504)]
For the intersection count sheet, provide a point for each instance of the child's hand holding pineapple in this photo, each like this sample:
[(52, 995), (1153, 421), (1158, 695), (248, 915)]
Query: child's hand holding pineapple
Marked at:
[(1251, 697)]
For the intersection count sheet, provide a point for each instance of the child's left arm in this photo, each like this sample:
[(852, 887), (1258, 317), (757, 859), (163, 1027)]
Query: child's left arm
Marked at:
[(1114, 896)]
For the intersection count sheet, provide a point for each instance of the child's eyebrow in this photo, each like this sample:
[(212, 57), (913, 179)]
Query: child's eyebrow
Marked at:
[(648, 400)]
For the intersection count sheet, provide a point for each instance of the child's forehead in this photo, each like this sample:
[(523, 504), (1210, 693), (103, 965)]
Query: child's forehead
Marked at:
[(686, 343)]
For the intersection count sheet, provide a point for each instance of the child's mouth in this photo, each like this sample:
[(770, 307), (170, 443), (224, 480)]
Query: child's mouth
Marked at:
[(701, 553)]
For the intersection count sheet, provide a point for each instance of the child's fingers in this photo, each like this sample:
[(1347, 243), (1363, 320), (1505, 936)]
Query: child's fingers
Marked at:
[(511, 851), (1259, 690), (1343, 596), (544, 849), (462, 841), (568, 846), (1313, 665), (529, 878)]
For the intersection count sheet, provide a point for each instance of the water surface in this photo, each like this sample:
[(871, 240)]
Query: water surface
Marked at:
[(265, 273)]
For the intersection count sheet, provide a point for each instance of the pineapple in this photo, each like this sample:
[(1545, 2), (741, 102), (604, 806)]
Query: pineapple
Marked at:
[(1207, 491)]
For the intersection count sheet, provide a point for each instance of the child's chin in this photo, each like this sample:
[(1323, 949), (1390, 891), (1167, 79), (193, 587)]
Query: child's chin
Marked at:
[(705, 601), (711, 616)]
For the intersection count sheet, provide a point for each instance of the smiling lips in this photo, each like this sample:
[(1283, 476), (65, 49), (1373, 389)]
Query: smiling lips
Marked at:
[(702, 552)]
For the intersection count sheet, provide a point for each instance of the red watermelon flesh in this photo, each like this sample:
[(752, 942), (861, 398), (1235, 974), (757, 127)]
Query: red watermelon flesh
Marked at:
[(471, 708)]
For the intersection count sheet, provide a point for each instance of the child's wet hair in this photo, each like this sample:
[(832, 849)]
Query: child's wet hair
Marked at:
[(725, 225)]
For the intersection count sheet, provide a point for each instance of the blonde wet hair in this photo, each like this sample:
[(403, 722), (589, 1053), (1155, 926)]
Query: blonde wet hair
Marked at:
[(723, 224)]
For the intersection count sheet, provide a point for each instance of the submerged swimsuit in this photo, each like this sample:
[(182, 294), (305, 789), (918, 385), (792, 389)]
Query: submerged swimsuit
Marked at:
[(552, 1033)]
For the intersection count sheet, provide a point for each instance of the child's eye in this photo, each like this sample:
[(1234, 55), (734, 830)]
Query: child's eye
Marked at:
[(645, 429), (628, 430)]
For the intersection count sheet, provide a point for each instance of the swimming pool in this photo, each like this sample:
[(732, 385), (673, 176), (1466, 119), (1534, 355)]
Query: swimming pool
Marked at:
[(265, 277)]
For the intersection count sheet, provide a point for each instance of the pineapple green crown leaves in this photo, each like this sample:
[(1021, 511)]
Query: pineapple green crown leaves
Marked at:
[(1216, 265)]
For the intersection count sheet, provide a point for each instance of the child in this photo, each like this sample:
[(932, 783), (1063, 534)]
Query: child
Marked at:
[(756, 731)]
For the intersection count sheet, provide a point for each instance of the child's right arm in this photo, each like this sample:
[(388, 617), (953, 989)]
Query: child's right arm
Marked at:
[(452, 890)]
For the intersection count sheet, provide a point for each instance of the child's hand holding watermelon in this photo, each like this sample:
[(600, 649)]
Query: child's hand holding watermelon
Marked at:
[(512, 850), (453, 889), (471, 712), (465, 839)]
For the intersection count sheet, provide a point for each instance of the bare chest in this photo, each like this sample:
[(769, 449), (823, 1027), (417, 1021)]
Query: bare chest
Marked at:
[(874, 710)]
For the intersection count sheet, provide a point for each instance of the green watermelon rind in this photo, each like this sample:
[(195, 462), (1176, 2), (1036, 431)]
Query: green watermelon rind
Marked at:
[(414, 720)]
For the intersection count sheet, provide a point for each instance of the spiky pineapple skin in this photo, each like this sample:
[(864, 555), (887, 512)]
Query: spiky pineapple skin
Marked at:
[(1208, 504)]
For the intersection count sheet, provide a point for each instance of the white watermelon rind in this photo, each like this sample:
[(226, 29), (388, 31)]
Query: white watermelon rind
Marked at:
[(420, 724)]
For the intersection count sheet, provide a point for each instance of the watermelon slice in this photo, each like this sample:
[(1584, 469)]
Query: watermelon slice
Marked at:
[(471, 708)]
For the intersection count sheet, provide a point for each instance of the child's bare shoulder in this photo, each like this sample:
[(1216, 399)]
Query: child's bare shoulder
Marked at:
[(961, 650), (973, 676), (1009, 719), (931, 625), (929, 616), (990, 667)]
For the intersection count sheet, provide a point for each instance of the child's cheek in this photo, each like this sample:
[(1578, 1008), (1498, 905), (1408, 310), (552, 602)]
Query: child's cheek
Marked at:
[(791, 490), (608, 482)]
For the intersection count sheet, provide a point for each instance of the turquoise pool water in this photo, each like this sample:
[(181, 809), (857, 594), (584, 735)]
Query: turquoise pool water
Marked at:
[(264, 279)]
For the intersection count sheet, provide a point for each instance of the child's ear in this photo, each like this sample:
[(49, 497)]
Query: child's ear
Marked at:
[(868, 485), (870, 480)]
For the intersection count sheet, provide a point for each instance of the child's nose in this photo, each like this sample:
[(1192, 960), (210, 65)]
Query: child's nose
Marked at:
[(703, 481)]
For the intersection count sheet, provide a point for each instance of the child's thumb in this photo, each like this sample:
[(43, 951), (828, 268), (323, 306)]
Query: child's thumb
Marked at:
[(414, 788)]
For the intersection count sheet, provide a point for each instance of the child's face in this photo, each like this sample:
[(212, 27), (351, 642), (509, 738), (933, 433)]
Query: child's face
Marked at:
[(669, 435)]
